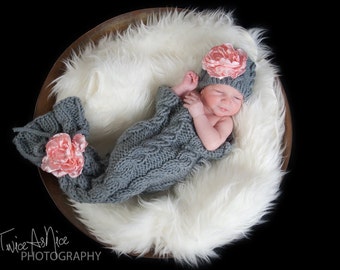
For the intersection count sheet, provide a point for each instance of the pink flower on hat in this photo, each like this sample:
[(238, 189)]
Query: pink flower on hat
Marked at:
[(225, 61), (64, 156)]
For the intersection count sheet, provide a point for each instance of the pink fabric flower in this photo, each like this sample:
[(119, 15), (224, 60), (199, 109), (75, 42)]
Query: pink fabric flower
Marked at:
[(64, 156), (225, 61)]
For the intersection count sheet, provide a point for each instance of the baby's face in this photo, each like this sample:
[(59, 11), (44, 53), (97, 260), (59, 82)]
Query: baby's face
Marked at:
[(221, 99)]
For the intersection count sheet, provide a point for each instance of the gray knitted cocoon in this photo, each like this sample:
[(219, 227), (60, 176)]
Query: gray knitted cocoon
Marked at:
[(151, 155)]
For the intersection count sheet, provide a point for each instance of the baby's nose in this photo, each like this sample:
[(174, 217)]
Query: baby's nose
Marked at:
[(226, 100)]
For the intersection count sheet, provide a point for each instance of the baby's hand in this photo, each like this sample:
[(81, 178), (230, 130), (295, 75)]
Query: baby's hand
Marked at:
[(190, 80), (189, 83), (193, 103)]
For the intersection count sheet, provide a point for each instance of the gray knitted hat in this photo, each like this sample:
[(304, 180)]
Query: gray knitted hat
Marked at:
[(243, 82)]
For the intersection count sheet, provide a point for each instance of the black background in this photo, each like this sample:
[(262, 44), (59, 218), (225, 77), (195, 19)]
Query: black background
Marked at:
[(34, 36)]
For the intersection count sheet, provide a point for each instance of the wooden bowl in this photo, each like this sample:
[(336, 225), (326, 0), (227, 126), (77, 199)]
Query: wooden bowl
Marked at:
[(44, 103)]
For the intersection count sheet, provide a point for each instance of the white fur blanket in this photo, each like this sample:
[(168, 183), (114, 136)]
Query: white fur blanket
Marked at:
[(117, 79)]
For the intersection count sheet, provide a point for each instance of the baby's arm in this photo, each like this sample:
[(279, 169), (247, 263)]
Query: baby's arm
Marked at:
[(212, 136), (189, 83)]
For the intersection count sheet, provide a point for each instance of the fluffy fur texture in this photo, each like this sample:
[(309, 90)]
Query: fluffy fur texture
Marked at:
[(117, 80)]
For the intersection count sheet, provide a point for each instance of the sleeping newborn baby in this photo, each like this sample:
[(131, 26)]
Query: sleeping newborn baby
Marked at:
[(192, 126)]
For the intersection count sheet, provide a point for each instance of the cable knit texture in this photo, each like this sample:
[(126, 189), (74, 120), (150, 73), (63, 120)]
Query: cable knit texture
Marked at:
[(150, 156)]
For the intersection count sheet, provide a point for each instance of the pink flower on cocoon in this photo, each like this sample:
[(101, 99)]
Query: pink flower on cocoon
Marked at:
[(64, 155), (225, 61)]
